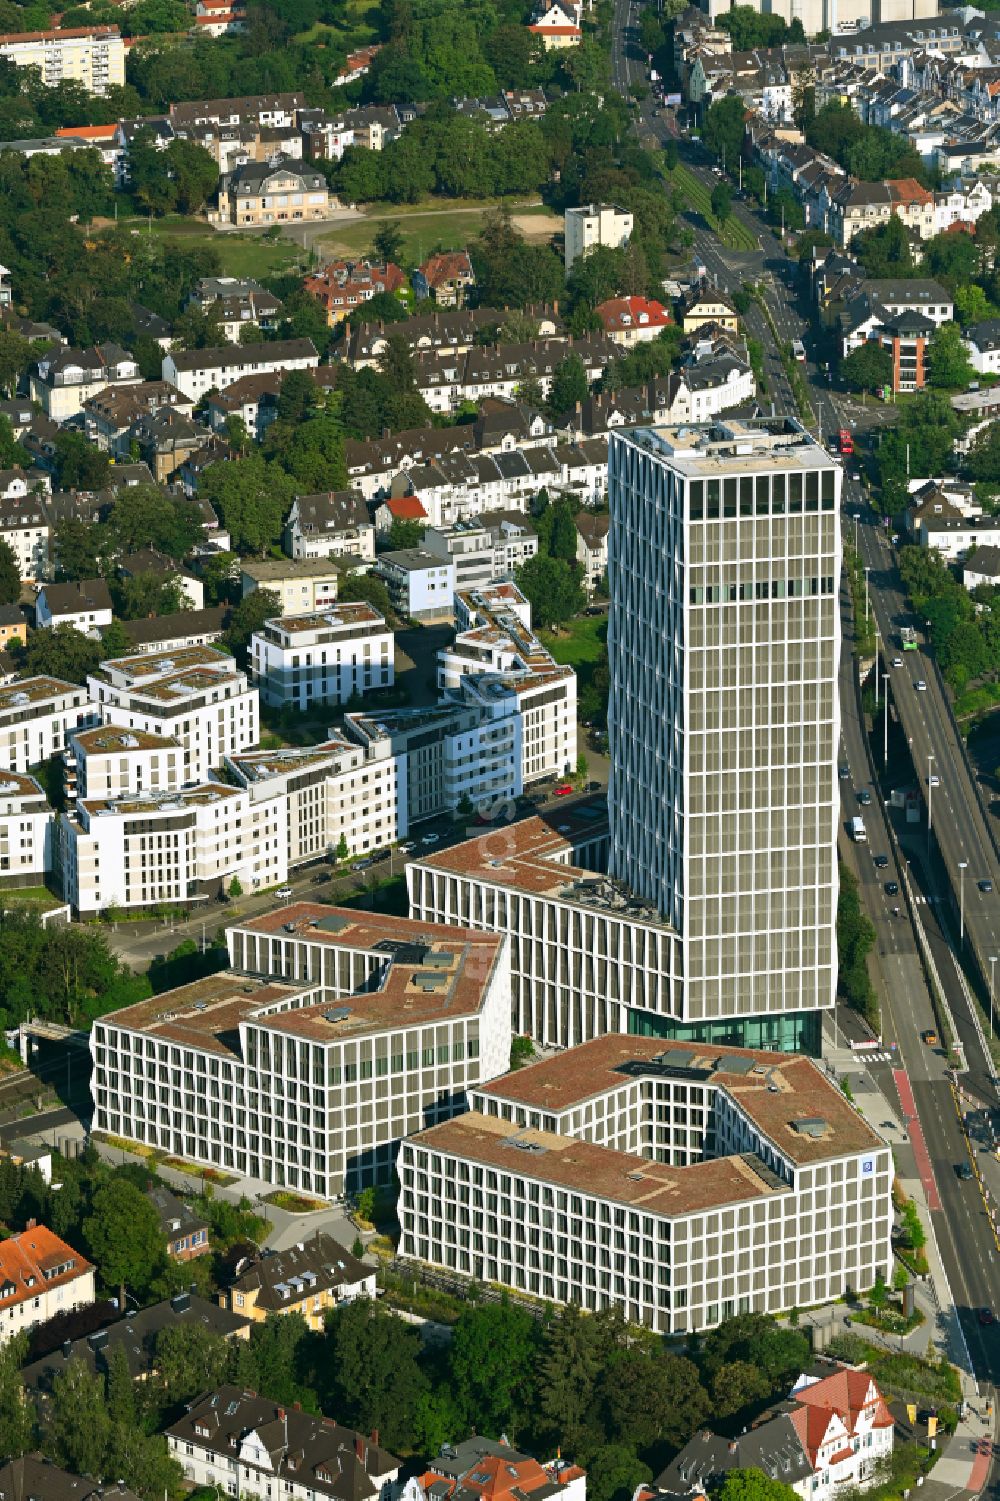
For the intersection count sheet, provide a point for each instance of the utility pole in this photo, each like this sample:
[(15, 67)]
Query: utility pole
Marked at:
[(876, 668), (962, 867)]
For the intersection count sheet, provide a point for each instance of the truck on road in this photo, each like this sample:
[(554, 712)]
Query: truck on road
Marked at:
[(858, 833), (908, 638)]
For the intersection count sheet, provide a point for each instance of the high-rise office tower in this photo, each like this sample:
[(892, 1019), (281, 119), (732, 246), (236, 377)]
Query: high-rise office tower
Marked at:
[(724, 643)]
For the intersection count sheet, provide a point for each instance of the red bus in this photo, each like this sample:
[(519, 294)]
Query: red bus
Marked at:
[(846, 441)]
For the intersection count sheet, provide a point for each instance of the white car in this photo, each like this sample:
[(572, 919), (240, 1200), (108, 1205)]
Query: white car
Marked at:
[(431, 839), (933, 780), (284, 892), (897, 661), (406, 847), (920, 685)]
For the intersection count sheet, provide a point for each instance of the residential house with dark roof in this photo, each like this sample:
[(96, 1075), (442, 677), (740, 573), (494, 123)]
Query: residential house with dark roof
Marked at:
[(33, 1478), (198, 371), (301, 1456), (174, 631), (84, 604), (186, 1232), (592, 545), (334, 523), (307, 1278), (277, 191), (63, 379)]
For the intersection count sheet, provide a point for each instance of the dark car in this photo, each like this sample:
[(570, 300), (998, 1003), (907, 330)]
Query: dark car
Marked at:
[(891, 888), (986, 1315), (881, 861), (864, 797), (321, 879), (985, 885), (593, 787), (964, 1171)]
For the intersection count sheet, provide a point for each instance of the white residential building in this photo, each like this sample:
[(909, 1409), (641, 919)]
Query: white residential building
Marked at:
[(109, 762), (392, 1021), (300, 586), (92, 56), (225, 1441), (333, 524), (496, 654), (684, 1185), (25, 831), (40, 1276), (328, 656), (156, 849), (335, 791), (420, 583), (25, 523), (198, 371), (197, 695), (595, 224), (983, 344), (84, 605), (952, 537), (37, 715), (724, 714), (64, 379)]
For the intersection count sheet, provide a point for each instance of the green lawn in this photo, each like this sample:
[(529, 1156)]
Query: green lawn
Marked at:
[(449, 224), (30, 895), (697, 196), (241, 254), (578, 642)]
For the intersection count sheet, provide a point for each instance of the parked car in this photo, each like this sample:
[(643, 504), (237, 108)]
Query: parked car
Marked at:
[(430, 839), (284, 892), (565, 790), (406, 846)]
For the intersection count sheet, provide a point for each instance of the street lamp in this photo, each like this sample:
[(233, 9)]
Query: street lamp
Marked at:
[(867, 600), (885, 719), (993, 961), (877, 638), (930, 798), (963, 866)]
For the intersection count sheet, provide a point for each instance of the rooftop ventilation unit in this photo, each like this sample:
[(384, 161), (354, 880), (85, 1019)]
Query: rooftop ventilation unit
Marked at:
[(338, 1014)]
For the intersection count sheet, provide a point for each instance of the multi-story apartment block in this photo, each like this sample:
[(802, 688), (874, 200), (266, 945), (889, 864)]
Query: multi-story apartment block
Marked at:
[(37, 715), (328, 656), (334, 524), (446, 755), (108, 761), (198, 371), (496, 653), (238, 1443), (25, 831), (595, 224), (300, 586), (337, 790), (155, 849), (197, 695), (724, 646), (92, 56), (65, 378), (40, 1276), (370, 1027), (26, 524), (420, 583), (682, 1184)]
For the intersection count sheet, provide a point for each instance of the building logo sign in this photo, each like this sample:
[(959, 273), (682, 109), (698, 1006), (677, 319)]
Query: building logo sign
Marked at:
[(868, 1164)]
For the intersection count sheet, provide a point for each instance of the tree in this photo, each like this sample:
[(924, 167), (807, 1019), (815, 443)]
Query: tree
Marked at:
[(952, 259), (737, 1385), (79, 549), (235, 888), (12, 455), (722, 201), (252, 497), (568, 1368), (79, 1426), (194, 172), (146, 516), (885, 250), (124, 1236), (878, 1296), (492, 1356), (146, 595), (297, 397), (562, 533), (724, 127), (342, 851), (756, 1339), (367, 587), (648, 1396), (867, 368), (948, 359), (120, 1388), (10, 575), (15, 1408), (79, 465), (314, 456), (753, 1485), (615, 1473), (60, 651), (405, 534), (972, 305), (16, 354), (552, 587), (387, 241), (376, 1380), (569, 384), (247, 617)]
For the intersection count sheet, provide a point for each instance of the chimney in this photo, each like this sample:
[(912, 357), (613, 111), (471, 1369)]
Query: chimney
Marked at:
[(31, 1225), (733, 1446), (359, 1447), (375, 1437), (281, 1414), (67, 1347)]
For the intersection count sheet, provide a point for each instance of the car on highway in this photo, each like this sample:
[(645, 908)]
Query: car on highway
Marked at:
[(564, 790), (964, 1171), (933, 780), (892, 888), (284, 892), (897, 661), (930, 1037), (881, 861), (920, 685), (845, 772), (864, 797), (985, 886)]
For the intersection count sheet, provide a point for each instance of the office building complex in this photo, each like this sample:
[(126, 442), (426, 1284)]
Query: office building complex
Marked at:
[(724, 643), (683, 1184), (341, 1033)]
